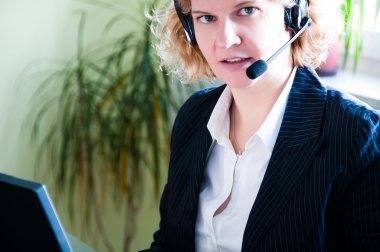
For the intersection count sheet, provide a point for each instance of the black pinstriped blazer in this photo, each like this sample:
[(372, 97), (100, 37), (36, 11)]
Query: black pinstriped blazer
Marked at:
[(321, 190)]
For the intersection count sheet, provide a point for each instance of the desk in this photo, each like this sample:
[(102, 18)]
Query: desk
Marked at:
[(363, 86)]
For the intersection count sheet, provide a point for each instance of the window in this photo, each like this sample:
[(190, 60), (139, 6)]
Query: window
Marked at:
[(369, 61), (365, 83)]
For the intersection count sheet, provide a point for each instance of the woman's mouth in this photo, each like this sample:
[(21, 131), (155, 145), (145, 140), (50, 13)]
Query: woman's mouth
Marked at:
[(235, 60), (236, 63)]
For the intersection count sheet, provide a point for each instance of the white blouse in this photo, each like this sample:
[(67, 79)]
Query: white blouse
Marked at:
[(227, 173)]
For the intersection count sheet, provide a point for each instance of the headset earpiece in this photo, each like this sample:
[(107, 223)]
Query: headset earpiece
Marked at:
[(296, 17), (187, 23)]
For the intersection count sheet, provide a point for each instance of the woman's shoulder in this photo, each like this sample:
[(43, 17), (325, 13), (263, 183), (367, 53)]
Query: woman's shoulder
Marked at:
[(206, 94), (201, 103), (340, 103), (350, 118)]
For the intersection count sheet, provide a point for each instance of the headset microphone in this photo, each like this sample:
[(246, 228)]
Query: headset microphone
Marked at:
[(259, 67), (296, 19)]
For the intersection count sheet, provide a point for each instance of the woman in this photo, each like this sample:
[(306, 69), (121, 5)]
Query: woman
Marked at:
[(273, 160)]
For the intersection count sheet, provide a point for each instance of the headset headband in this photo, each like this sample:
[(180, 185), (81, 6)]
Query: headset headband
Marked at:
[(186, 21)]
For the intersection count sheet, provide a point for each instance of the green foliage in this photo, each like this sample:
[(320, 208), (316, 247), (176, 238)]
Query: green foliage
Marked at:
[(107, 116), (355, 34)]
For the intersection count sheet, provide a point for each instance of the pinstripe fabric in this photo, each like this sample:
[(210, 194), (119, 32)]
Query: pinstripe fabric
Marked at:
[(321, 190)]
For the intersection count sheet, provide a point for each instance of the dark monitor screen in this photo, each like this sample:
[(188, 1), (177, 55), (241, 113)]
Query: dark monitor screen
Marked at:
[(28, 220)]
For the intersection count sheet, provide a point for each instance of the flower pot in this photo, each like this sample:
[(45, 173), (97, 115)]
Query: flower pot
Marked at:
[(331, 66)]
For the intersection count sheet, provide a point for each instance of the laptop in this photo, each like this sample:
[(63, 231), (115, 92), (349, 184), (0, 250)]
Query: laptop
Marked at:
[(28, 220)]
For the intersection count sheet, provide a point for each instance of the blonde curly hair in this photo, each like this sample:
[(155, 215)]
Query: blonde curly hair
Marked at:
[(186, 61)]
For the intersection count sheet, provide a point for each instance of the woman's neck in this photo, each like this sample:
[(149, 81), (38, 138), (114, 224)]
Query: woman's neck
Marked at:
[(261, 95), (252, 104)]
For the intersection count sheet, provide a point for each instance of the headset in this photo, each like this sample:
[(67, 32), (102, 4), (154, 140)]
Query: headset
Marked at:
[(187, 22), (295, 18)]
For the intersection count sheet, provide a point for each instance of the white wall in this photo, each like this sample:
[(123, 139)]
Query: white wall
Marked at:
[(42, 29), (29, 30)]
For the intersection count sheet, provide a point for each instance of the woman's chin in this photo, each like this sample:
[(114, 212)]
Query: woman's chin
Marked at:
[(236, 79), (239, 82)]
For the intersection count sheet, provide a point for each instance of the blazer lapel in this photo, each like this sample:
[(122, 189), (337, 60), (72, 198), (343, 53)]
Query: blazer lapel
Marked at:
[(194, 161), (203, 143), (298, 142)]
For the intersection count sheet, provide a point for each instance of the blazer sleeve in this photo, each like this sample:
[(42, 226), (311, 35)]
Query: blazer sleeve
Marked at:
[(197, 107), (361, 214), (159, 237), (361, 207)]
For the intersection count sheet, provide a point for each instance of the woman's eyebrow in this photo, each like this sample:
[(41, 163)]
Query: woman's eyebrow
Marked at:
[(199, 12), (245, 3), (236, 6)]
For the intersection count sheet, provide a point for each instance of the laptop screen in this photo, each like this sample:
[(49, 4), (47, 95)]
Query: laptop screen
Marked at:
[(28, 220)]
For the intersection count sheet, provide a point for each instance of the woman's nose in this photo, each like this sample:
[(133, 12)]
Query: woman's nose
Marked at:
[(227, 35)]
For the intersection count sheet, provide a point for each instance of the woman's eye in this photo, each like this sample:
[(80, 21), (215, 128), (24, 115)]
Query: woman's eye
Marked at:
[(247, 11), (206, 18)]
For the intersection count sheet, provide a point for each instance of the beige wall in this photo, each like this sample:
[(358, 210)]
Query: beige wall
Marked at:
[(41, 29)]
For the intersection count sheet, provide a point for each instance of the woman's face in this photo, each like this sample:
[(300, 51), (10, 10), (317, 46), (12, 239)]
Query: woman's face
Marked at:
[(232, 34)]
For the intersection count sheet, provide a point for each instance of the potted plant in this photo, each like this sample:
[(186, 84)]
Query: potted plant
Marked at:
[(107, 121), (354, 13)]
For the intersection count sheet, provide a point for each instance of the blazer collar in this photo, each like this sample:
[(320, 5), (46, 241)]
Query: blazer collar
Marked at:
[(298, 141), (305, 108)]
